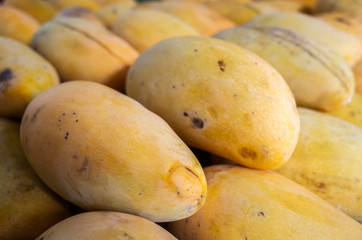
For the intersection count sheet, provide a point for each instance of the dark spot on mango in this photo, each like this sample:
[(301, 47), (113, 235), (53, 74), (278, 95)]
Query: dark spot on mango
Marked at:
[(342, 20), (85, 165), (186, 114), (197, 122), (195, 50), (66, 135), (173, 86), (188, 169), (321, 185), (248, 153), (261, 214), (222, 65), (6, 75)]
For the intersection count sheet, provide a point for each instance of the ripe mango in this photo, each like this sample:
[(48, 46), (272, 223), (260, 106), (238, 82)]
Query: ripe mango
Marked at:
[(17, 24), (27, 206), (218, 97), (327, 160), (253, 204), (106, 225), (101, 150), (143, 28), (23, 75), (80, 49)]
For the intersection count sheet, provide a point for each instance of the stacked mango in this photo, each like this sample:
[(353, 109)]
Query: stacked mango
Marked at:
[(187, 120)]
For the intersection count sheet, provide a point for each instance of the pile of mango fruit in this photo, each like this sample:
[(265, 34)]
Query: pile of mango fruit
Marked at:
[(173, 119)]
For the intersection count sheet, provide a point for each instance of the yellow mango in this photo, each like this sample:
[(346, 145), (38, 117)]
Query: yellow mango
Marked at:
[(318, 76), (27, 206), (80, 49), (130, 3), (101, 150), (110, 13), (218, 97), (80, 12), (88, 4), (238, 12), (346, 44), (23, 75), (143, 28), (253, 204), (17, 24), (106, 225), (327, 160), (203, 19), (39, 9)]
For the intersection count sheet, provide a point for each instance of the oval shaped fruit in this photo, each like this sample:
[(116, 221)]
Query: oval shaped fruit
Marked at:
[(218, 97), (143, 28), (203, 19), (346, 44), (27, 206), (106, 225), (327, 160), (23, 75), (101, 150), (80, 49), (17, 24), (318, 77), (253, 204)]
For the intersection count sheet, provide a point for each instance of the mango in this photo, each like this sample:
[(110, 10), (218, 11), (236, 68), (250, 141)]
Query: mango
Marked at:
[(203, 19), (27, 206), (17, 24), (319, 77), (143, 28), (327, 160), (41, 10), (23, 75), (110, 13), (106, 225), (101, 150), (80, 12), (346, 44), (253, 204), (80, 49), (218, 97)]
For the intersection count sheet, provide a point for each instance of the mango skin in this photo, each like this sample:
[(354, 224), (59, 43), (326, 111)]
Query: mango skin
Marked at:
[(225, 99), (41, 10), (80, 49), (27, 206), (352, 112), (318, 77), (143, 28), (255, 204), (101, 150), (23, 75), (106, 225), (17, 24), (313, 28), (327, 160), (203, 19)]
